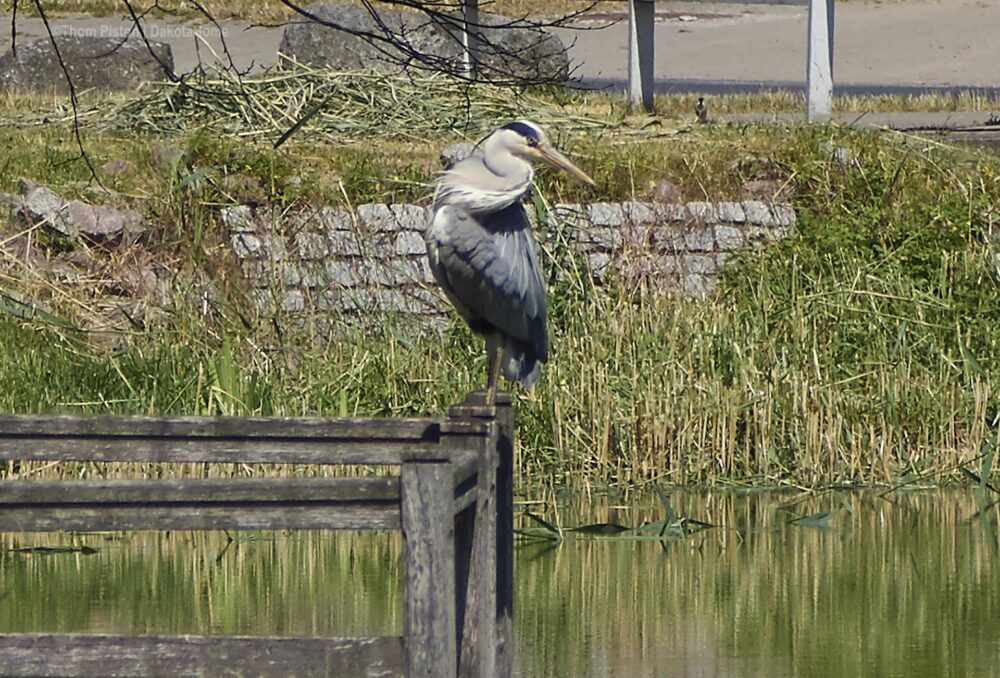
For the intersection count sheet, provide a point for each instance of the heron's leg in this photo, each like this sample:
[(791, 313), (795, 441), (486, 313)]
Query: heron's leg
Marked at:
[(496, 360)]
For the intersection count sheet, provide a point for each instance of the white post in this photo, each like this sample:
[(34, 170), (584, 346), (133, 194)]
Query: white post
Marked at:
[(641, 16), (470, 41), (819, 58)]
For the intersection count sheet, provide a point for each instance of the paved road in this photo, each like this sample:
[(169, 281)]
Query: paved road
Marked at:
[(882, 47), (892, 46)]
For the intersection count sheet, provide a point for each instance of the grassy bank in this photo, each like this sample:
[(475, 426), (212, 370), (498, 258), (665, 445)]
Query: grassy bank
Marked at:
[(860, 350)]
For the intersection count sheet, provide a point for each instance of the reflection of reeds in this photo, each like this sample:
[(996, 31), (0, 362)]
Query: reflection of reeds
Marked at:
[(302, 583), (897, 587), (902, 584)]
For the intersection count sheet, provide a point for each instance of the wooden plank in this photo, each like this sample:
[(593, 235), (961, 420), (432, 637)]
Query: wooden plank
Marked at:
[(208, 450), (237, 428), (819, 61), (198, 490), (477, 592), (505, 541), (201, 516), (429, 605), (93, 656)]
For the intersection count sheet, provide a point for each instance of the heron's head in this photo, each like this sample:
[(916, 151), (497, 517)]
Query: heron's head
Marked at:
[(528, 141)]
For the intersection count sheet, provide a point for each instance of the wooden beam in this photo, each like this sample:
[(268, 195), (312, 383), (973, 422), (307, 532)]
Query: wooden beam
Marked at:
[(429, 553), (478, 649), (237, 428), (203, 516), (42, 655), (198, 490), (215, 450)]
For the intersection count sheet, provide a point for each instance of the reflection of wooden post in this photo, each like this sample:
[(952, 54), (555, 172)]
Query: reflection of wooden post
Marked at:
[(819, 58), (641, 18), (470, 38), (429, 615)]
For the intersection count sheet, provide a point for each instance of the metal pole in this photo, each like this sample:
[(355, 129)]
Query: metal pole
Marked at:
[(470, 39), (819, 58), (641, 18)]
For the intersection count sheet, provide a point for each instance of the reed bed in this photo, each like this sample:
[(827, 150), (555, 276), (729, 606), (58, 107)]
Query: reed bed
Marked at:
[(861, 350)]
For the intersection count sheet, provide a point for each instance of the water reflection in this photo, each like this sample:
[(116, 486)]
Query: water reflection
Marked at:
[(904, 585)]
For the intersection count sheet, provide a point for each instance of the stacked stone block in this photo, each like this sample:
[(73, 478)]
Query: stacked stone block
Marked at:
[(368, 261), (373, 259), (670, 246)]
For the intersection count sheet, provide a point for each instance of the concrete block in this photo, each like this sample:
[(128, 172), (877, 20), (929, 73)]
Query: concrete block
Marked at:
[(311, 245), (729, 237), (598, 264), (375, 217), (673, 212), (291, 275), (703, 212), (784, 214), (313, 275), (699, 238), (668, 238), (758, 213), (343, 273), (238, 219), (730, 213), (702, 264), (638, 212), (411, 217), (410, 242), (245, 245), (605, 214), (334, 219), (410, 271), (273, 247), (343, 243), (698, 286)]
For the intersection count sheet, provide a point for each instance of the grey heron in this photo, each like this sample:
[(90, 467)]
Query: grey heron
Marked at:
[(483, 253)]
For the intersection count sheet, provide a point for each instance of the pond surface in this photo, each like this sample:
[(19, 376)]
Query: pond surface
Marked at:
[(902, 584)]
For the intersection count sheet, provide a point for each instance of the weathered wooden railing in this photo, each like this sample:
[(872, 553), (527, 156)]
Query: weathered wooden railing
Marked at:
[(452, 499)]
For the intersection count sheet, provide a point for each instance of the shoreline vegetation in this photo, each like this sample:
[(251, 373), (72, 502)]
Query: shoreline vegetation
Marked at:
[(859, 351)]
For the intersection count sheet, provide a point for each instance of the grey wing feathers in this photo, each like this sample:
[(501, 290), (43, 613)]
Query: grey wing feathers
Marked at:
[(490, 270)]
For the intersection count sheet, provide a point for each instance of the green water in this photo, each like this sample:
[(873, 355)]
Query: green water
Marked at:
[(900, 585)]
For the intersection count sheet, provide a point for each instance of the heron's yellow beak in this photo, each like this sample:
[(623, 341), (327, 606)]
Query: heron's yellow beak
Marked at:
[(550, 155)]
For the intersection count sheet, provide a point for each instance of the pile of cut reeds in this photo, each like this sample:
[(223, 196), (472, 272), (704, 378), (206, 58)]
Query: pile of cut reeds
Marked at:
[(336, 106)]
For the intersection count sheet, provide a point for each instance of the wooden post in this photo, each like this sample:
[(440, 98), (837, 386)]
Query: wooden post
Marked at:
[(428, 524), (819, 61), (641, 23), (486, 648), (470, 37)]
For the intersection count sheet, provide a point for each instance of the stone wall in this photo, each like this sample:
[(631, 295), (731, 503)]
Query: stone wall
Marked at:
[(353, 263)]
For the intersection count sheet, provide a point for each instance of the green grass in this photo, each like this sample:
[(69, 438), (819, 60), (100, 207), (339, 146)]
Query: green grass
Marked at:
[(860, 350)]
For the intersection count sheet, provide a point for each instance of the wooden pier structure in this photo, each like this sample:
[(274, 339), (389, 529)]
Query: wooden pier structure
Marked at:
[(452, 500)]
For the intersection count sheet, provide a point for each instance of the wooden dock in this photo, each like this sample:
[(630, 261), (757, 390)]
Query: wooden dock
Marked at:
[(452, 499)]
